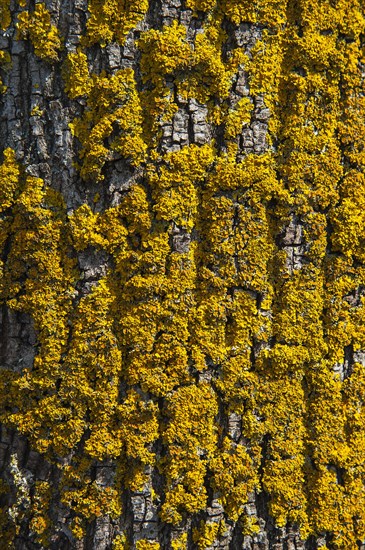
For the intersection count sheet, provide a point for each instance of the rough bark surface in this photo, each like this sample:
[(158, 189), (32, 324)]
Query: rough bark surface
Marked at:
[(201, 314)]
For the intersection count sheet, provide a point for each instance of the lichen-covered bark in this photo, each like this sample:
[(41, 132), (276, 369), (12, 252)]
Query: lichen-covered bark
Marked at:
[(182, 275)]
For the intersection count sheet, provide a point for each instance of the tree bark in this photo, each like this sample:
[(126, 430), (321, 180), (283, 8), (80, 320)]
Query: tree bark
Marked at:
[(182, 275)]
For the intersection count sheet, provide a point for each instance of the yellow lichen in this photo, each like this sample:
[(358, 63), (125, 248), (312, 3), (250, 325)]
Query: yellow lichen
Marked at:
[(9, 175), (4, 62), (233, 477), (163, 52), (120, 542), (234, 282), (112, 20), (180, 543), (144, 544), (113, 106), (175, 186), (191, 441), (40, 522), (206, 534), (38, 28), (271, 12), (239, 116), (198, 71), (5, 14), (76, 74)]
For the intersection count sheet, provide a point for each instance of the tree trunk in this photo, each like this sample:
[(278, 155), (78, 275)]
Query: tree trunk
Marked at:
[(182, 274)]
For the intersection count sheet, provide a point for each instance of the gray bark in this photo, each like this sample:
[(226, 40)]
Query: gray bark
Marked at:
[(46, 147)]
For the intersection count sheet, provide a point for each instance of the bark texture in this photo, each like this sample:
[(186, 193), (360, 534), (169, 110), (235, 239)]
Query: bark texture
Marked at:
[(182, 235)]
